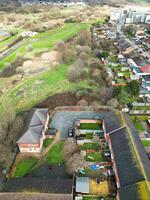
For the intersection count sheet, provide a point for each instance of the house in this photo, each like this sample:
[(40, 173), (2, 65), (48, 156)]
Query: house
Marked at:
[(130, 162), (34, 134), (142, 71), (146, 82)]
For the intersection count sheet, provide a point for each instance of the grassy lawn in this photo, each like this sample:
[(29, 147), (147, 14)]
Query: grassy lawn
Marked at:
[(25, 166), (52, 81), (94, 146), (55, 154), (137, 123), (90, 126), (96, 155), (93, 197), (146, 143), (46, 40), (47, 142), (89, 135), (91, 173)]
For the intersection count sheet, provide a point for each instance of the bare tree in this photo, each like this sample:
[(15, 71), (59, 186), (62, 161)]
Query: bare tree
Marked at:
[(84, 38), (113, 103), (105, 94), (69, 149), (74, 163)]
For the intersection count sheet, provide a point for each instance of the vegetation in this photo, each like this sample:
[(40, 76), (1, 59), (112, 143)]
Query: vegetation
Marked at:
[(92, 146), (146, 143), (90, 126), (47, 142), (25, 166), (89, 135), (97, 157), (55, 154), (138, 123)]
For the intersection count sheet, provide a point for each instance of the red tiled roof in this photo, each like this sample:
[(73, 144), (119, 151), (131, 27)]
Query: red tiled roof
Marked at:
[(145, 69)]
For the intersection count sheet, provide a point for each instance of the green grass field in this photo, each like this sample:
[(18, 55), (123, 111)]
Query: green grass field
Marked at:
[(55, 154), (146, 143), (47, 142), (93, 146), (25, 166), (52, 81), (46, 40), (97, 157), (90, 126)]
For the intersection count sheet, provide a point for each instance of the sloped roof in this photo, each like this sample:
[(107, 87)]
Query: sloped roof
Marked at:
[(138, 191), (145, 69), (38, 117), (32, 135), (82, 185), (128, 167), (34, 126)]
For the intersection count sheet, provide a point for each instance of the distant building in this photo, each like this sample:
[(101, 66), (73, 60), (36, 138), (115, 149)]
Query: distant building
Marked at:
[(130, 16)]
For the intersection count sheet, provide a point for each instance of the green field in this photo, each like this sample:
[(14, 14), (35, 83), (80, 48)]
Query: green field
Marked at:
[(51, 82), (93, 146), (97, 157), (25, 166), (46, 40), (55, 154), (146, 143), (47, 142), (90, 126)]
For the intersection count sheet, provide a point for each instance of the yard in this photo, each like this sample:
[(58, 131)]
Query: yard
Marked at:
[(92, 173), (138, 123), (90, 126), (146, 143), (92, 146), (96, 198), (94, 157), (25, 166), (55, 154), (47, 142)]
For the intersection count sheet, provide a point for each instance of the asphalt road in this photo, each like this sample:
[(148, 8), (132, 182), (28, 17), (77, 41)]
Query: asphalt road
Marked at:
[(65, 119)]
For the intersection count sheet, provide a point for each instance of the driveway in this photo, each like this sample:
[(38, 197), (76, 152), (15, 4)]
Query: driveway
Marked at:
[(65, 119)]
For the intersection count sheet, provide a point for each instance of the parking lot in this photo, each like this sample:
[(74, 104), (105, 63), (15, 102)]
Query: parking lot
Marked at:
[(65, 119)]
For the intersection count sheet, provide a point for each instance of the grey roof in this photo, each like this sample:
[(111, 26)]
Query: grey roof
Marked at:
[(38, 117), (34, 126), (32, 135), (82, 185)]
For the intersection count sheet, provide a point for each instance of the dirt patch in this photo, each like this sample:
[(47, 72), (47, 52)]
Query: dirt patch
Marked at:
[(52, 57), (63, 99)]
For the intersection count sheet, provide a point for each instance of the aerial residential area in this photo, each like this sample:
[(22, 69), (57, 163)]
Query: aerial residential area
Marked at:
[(74, 100)]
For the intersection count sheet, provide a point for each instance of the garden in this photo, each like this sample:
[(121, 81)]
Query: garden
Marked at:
[(90, 126), (94, 157), (90, 146)]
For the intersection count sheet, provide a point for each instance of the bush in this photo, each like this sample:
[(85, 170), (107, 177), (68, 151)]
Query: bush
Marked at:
[(75, 74), (84, 38)]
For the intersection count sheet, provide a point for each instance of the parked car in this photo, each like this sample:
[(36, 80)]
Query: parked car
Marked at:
[(70, 132)]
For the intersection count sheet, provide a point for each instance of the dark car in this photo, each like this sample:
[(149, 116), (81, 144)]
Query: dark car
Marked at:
[(70, 132)]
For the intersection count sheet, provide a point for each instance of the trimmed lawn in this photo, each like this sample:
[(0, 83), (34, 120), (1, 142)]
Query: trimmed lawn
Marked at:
[(146, 143), (25, 166), (90, 126), (47, 142), (87, 146), (55, 154), (96, 155), (89, 135)]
